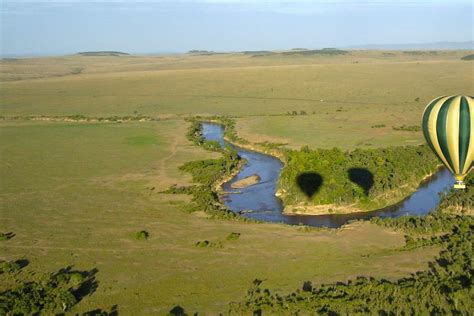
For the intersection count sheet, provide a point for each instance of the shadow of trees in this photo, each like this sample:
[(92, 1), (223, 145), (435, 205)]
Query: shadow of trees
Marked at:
[(83, 283), (101, 312), (177, 311), (362, 177), (309, 183)]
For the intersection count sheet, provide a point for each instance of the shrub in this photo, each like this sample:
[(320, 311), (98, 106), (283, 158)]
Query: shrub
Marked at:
[(410, 128), (3, 236), (9, 266), (51, 295), (142, 235), (233, 236), (208, 244)]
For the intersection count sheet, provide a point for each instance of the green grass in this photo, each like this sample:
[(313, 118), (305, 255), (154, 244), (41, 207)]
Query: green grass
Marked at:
[(235, 85), (142, 140), (343, 100), (74, 193)]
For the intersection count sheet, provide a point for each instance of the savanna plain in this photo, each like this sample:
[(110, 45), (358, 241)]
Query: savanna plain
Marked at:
[(88, 144)]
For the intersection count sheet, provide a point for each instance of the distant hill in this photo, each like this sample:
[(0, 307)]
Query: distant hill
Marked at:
[(103, 53), (468, 57), (298, 52), (418, 46), (205, 52)]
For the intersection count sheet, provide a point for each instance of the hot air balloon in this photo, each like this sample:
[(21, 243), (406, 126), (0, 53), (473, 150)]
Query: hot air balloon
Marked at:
[(448, 126)]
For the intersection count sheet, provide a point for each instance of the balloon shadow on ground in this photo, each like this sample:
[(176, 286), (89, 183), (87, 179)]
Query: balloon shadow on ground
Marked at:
[(309, 183), (362, 177)]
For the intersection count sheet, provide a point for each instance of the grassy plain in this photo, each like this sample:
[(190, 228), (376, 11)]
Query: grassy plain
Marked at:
[(348, 94), (75, 193)]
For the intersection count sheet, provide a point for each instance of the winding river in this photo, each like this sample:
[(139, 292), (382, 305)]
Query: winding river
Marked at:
[(259, 201)]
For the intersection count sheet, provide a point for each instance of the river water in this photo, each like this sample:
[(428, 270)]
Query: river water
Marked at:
[(259, 201)]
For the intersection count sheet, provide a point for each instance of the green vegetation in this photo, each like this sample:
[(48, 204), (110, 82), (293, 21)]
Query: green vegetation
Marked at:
[(461, 200), (411, 128), (142, 140), (468, 57), (195, 133), (51, 294), (372, 178), (9, 267), (208, 244), (294, 113), (235, 85), (209, 172), (378, 126), (80, 118), (142, 235), (445, 288), (233, 236), (75, 189), (6, 236), (76, 193), (420, 52)]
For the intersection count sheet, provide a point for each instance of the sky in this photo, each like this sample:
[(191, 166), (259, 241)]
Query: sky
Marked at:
[(40, 27)]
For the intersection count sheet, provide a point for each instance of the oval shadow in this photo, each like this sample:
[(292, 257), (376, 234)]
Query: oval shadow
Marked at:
[(309, 183), (362, 177)]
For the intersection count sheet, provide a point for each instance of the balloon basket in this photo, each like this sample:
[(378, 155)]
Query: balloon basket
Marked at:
[(459, 185)]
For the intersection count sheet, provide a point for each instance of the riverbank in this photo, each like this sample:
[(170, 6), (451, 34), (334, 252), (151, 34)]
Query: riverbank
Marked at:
[(392, 202), (386, 203), (326, 209)]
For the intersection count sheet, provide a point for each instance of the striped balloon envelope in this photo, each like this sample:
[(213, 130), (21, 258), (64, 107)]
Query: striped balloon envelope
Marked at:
[(448, 126)]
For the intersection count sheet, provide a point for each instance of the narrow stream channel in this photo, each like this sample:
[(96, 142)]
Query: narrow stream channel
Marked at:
[(259, 201)]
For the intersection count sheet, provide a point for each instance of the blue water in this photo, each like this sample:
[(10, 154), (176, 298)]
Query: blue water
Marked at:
[(259, 201)]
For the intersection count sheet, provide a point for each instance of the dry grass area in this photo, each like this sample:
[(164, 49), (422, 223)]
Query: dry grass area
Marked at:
[(12, 69), (350, 101)]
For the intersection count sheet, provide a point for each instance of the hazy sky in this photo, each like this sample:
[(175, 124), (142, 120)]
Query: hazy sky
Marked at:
[(152, 26)]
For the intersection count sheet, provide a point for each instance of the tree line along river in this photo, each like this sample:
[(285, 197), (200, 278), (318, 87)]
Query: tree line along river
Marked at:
[(259, 202)]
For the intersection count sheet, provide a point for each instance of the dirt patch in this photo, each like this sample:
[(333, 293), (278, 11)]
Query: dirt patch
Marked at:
[(321, 209)]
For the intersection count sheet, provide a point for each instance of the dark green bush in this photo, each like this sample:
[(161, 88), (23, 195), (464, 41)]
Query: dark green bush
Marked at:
[(410, 128), (233, 236), (9, 266), (142, 235), (208, 244), (51, 294)]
